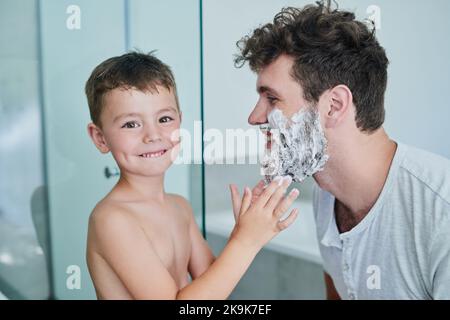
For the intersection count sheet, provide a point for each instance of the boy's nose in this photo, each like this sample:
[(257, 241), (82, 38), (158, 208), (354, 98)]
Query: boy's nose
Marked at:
[(258, 115), (150, 139), (151, 135)]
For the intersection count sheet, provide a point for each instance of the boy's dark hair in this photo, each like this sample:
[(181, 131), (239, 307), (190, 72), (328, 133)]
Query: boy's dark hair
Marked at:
[(329, 48), (132, 70)]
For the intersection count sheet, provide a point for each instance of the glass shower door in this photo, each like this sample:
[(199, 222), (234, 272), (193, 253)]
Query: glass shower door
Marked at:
[(23, 205)]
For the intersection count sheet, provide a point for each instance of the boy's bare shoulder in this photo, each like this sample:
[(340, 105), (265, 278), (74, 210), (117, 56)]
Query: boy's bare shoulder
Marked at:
[(109, 214), (179, 200)]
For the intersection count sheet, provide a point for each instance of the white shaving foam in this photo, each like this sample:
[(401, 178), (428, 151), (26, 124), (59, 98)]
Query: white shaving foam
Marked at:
[(298, 145)]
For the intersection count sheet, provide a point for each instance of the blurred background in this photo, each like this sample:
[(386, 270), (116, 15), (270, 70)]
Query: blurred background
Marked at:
[(51, 175)]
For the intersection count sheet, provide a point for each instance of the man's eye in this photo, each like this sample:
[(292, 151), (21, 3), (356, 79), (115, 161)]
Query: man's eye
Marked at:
[(165, 119), (131, 125), (272, 100)]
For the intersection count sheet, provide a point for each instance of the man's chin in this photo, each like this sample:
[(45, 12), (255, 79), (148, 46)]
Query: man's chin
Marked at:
[(321, 178)]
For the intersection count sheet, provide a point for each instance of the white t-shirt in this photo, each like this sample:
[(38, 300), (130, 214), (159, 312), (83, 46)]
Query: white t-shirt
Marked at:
[(401, 249)]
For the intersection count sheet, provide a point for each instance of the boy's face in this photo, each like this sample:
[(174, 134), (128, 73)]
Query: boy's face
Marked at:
[(140, 129)]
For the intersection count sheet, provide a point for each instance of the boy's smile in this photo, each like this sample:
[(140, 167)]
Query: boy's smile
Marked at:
[(156, 154)]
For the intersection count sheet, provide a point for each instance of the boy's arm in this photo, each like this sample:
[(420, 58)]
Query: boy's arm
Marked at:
[(258, 222), (201, 255), (219, 280)]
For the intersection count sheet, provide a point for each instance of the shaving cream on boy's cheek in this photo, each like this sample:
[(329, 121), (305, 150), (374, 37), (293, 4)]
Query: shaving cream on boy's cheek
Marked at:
[(297, 145)]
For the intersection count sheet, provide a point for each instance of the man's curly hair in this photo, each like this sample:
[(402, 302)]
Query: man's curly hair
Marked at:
[(329, 48)]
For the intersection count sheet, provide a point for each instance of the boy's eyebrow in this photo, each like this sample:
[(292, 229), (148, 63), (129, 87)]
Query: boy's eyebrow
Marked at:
[(263, 89), (123, 115), (135, 114), (167, 109)]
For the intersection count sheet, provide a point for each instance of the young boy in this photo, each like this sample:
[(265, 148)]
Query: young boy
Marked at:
[(142, 241)]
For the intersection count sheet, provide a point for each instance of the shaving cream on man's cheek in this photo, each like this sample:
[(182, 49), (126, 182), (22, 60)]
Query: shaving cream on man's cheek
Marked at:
[(296, 147)]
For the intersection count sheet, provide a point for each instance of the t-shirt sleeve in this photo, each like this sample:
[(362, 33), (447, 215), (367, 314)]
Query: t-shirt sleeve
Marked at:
[(440, 263)]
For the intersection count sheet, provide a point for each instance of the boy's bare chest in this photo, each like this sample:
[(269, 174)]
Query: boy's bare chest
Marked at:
[(168, 234)]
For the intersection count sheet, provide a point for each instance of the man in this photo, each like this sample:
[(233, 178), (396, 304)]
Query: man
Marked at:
[(382, 208)]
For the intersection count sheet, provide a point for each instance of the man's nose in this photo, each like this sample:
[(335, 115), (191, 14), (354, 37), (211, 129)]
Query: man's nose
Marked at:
[(258, 115)]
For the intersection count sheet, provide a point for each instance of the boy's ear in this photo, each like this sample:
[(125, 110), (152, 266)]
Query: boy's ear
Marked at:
[(98, 138), (339, 101)]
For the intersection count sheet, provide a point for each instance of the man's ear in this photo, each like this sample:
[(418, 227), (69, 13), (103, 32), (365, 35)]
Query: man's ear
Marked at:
[(339, 100), (98, 138)]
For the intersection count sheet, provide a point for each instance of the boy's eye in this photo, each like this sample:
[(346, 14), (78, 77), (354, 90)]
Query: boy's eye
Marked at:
[(131, 125), (165, 119)]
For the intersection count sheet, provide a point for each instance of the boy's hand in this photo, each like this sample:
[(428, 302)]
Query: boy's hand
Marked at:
[(236, 197), (259, 220)]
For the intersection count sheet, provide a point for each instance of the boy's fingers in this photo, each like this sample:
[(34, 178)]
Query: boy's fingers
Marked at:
[(289, 220), (246, 200), (278, 195), (268, 191), (258, 189), (284, 205), (236, 200)]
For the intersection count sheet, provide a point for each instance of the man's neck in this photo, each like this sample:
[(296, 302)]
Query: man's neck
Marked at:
[(356, 176)]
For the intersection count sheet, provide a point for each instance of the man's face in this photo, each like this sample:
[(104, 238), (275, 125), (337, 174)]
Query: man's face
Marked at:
[(298, 147), (140, 129)]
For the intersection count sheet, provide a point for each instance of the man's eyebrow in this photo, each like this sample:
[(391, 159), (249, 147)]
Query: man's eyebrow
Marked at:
[(124, 115), (264, 89)]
